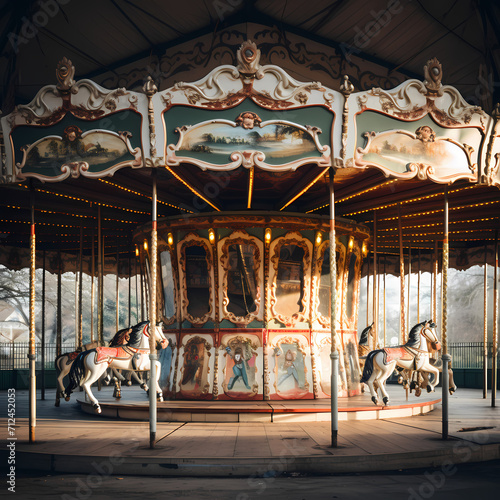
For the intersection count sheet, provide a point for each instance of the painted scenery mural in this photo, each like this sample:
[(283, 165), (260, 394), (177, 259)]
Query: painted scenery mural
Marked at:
[(215, 140), (93, 151), (422, 148)]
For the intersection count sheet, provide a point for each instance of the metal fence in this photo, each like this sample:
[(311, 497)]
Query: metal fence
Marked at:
[(14, 356), (469, 354)]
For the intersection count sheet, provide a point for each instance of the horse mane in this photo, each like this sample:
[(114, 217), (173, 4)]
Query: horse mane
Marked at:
[(414, 336), (363, 338), (136, 334), (119, 337)]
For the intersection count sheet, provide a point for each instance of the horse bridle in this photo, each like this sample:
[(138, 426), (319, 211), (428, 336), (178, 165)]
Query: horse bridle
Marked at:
[(436, 345)]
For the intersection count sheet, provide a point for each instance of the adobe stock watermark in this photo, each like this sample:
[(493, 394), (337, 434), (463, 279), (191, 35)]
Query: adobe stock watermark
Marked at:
[(223, 7), (435, 480), (372, 28), (266, 474), (30, 27), (104, 468)]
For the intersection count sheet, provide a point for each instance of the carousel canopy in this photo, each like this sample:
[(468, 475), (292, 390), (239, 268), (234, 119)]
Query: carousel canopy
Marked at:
[(334, 87)]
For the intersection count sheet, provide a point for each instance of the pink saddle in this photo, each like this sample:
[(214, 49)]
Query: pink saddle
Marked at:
[(107, 354), (394, 353)]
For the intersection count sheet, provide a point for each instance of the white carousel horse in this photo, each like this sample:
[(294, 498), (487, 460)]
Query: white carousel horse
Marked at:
[(90, 365), (364, 349), (414, 355), (417, 380), (63, 364)]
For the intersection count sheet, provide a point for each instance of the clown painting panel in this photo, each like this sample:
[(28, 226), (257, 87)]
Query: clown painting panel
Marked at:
[(290, 370), (194, 372), (240, 373)]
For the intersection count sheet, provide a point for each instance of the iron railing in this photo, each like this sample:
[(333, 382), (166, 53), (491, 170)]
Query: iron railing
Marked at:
[(14, 355)]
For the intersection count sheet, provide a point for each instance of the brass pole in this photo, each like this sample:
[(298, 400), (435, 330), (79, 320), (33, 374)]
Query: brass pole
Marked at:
[(117, 319), (494, 353), (100, 277), (408, 319), (485, 325), (152, 317), (32, 347), (80, 291), (375, 288), (402, 326), (59, 306), (434, 283), (385, 323), (43, 327), (418, 287), (92, 289), (334, 354), (444, 315)]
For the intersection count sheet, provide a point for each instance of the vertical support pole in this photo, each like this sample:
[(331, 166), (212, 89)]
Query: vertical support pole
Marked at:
[(100, 277), (213, 238), (31, 355), (368, 290), (494, 353), (129, 289), (402, 326), (43, 327), (267, 243), (117, 288), (59, 306), (444, 315), (419, 276), (80, 292), (375, 288), (385, 323), (334, 354), (434, 283), (152, 318), (485, 325), (408, 321), (92, 288)]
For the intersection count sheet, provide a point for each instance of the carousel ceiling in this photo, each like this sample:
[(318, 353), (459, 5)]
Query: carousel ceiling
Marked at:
[(381, 44)]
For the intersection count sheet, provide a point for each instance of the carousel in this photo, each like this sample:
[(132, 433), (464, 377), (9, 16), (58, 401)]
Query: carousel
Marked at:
[(250, 175)]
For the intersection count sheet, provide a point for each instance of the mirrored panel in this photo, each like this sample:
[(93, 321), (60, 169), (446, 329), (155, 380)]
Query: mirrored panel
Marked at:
[(167, 276), (241, 279), (197, 281), (290, 280)]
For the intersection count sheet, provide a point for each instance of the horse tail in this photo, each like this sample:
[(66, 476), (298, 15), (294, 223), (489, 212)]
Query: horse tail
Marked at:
[(77, 372), (368, 369)]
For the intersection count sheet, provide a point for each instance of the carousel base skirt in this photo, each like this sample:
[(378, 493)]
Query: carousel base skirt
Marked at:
[(134, 405)]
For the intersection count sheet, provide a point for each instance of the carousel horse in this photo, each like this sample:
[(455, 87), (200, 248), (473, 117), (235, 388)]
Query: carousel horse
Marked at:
[(122, 338), (63, 364), (417, 381), (364, 349), (64, 361), (90, 365), (414, 355)]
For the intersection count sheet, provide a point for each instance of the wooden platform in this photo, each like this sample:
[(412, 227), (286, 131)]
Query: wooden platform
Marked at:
[(71, 441)]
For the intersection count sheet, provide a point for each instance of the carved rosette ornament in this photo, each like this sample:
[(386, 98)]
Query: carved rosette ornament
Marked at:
[(65, 72), (248, 57), (433, 74)]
